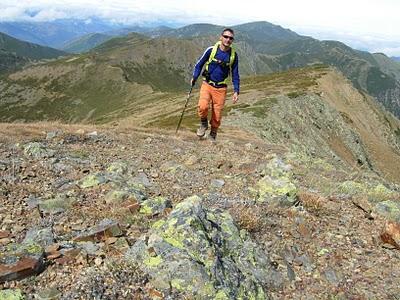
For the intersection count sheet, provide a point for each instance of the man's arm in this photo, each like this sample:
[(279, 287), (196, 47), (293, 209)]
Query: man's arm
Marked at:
[(235, 79), (200, 63)]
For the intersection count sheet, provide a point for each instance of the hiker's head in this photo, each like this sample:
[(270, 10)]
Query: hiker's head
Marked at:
[(227, 37)]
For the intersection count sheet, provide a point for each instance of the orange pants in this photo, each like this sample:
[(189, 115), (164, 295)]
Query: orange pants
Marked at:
[(215, 97)]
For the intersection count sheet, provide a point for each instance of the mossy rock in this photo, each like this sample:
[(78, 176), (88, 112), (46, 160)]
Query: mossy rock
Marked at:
[(29, 248), (58, 204), (92, 180), (38, 150), (11, 295), (154, 206), (202, 253), (376, 192), (119, 167), (276, 187)]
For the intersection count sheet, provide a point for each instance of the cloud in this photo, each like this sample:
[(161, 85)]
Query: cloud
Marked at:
[(356, 22), (395, 51)]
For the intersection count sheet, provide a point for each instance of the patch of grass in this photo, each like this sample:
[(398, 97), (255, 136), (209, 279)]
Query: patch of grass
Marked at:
[(249, 218), (311, 202), (160, 75)]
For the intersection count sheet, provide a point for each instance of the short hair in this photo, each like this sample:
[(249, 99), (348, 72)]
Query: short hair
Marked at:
[(227, 29)]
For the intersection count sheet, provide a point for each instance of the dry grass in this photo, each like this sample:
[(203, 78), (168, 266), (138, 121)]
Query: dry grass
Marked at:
[(249, 218), (311, 202), (29, 131)]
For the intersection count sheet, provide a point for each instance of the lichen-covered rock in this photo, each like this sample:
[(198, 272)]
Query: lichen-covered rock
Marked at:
[(154, 206), (49, 294), (106, 228), (277, 187), (38, 150), (202, 252), (21, 260), (120, 195), (92, 180), (58, 204), (375, 192), (11, 295), (42, 236), (118, 167), (389, 209)]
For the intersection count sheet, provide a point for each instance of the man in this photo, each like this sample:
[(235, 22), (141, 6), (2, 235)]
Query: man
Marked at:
[(220, 60)]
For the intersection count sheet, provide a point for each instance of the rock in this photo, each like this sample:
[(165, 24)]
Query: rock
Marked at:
[(128, 193), (202, 253), (98, 261), (4, 165), (4, 234), (32, 202), (192, 160), (389, 209), (92, 180), (38, 150), (132, 206), (323, 251), (4, 241), (58, 204), (290, 273), (92, 134), (11, 295), (332, 276), (20, 261), (116, 196), (106, 228), (143, 179), (248, 146), (362, 203), (305, 261), (111, 240), (171, 167), (53, 134), (53, 255), (154, 206), (44, 237), (119, 167), (276, 187), (121, 245), (217, 184), (89, 247), (391, 234), (49, 294)]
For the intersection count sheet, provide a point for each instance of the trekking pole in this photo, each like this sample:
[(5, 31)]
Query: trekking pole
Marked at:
[(183, 112)]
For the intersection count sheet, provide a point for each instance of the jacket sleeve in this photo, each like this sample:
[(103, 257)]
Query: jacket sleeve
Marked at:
[(200, 63), (235, 74)]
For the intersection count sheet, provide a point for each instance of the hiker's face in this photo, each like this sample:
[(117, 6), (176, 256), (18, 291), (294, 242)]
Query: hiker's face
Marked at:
[(227, 38)]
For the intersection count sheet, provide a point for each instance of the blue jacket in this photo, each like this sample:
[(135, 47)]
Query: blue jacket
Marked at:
[(219, 72)]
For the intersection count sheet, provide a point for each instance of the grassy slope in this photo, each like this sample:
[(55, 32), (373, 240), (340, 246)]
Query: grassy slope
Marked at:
[(26, 49), (86, 43), (315, 112)]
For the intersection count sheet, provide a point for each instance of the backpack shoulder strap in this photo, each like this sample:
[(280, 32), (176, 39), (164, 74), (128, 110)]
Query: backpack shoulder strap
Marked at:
[(213, 53)]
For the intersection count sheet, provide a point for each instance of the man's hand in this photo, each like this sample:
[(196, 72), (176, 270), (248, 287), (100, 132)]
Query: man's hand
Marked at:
[(235, 97)]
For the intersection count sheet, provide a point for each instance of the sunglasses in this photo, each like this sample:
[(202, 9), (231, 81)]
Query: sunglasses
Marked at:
[(228, 37)]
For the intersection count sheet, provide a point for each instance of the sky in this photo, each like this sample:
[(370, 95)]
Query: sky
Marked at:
[(366, 25)]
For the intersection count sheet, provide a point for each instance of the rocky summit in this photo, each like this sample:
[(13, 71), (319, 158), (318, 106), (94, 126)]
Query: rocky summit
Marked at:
[(298, 198), (119, 212)]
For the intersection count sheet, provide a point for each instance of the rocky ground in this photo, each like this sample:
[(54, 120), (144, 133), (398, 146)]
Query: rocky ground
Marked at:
[(125, 213)]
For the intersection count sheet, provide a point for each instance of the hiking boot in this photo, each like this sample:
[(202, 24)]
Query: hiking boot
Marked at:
[(202, 129), (213, 136)]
